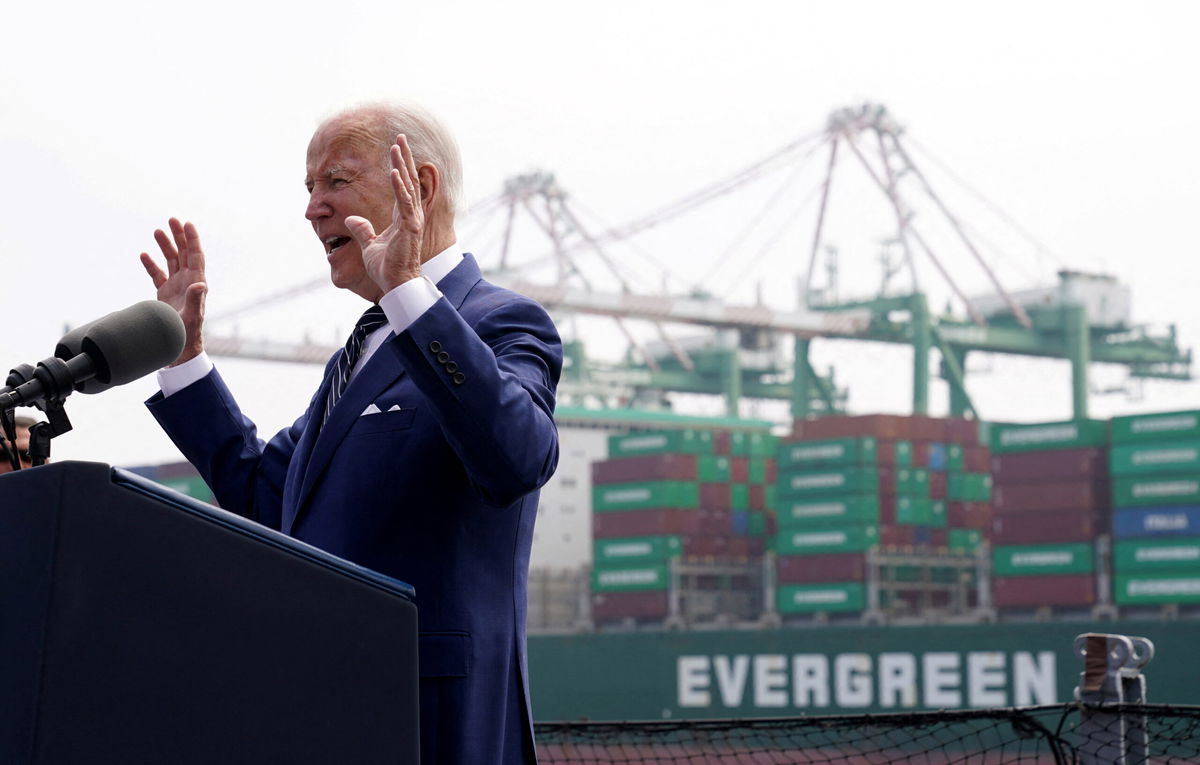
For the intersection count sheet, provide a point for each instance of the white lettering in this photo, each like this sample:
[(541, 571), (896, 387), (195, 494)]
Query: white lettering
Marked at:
[(731, 678), (1165, 522), (1040, 434), (810, 680), (627, 549), (1166, 488), (1157, 554), (985, 679), (770, 680), (1047, 558), (1164, 587), (627, 495), (818, 481), (852, 677), (941, 676), (1164, 456), (1034, 682), (1159, 424), (642, 442), (693, 681), (897, 680)]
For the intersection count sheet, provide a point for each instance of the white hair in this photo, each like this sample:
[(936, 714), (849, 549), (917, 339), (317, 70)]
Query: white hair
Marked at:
[(430, 141)]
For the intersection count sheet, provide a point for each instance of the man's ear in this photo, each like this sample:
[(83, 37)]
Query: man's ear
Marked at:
[(430, 182)]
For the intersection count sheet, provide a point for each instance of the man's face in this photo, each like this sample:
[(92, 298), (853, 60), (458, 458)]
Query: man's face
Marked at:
[(22, 451), (346, 176)]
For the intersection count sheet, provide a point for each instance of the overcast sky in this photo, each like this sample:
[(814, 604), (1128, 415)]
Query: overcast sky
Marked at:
[(1078, 119)]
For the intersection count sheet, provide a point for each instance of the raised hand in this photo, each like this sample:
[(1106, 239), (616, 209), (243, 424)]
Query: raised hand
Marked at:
[(394, 255), (182, 286)]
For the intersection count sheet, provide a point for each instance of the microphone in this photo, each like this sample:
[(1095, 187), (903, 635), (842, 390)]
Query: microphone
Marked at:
[(113, 350)]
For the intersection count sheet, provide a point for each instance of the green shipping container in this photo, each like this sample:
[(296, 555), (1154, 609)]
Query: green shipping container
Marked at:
[(757, 470), (835, 539), (1154, 555), (903, 453), (758, 523), (645, 495), (939, 515), (969, 487), (739, 496), (913, 511), (1035, 560), (753, 444), (1150, 589), (964, 540), (834, 511), (1147, 492), (662, 442), (913, 482), (627, 578), (837, 451), (1072, 434), (811, 598), (713, 469), (954, 457), (828, 482), (193, 486), (1155, 458), (1156, 427), (636, 550)]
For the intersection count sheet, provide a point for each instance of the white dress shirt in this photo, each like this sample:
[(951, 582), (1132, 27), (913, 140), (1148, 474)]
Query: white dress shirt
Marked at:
[(402, 306)]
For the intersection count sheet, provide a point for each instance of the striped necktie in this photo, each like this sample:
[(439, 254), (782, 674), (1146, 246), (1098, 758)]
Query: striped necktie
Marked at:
[(372, 319)]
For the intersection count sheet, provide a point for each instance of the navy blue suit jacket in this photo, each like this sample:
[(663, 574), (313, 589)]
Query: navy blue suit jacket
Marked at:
[(440, 492)]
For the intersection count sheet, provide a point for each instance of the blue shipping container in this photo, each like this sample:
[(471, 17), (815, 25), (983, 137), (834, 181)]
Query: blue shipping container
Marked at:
[(1172, 521), (937, 457)]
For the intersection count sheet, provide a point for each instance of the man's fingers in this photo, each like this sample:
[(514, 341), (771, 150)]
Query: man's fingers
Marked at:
[(402, 190), (156, 274), (410, 166), (361, 230), (195, 258), (168, 250), (193, 300)]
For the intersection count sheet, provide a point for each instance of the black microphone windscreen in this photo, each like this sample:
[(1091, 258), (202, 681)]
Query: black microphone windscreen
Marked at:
[(132, 343)]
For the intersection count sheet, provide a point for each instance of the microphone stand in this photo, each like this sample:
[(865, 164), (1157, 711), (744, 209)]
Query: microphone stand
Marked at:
[(40, 433)]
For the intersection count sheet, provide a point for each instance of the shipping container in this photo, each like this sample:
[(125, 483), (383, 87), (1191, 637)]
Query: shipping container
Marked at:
[(1156, 427), (1072, 434), (688, 441), (659, 521), (968, 459), (834, 539), (754, 444), (1038, 591), (963, 431), (964, 540), (1155, 458), (813, 598), (833, 567), (637, 549), (897, 536), (1048, 526), (1047, 559), (969, 515), (832, 482), (1182, 520), (1143, 492), (758, 498), (1151, 555), (805, 455), (716, 495), (914, 511), (911, 482), (650, 467), (646, 495), (930, 455), (1089, 463), (1050, 495), (861, 509), (884, 427), (648, 576), (638, 605), (968, 487), (1156, 589)]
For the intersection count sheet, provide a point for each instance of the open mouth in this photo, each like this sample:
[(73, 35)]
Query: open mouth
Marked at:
[(335, 242)]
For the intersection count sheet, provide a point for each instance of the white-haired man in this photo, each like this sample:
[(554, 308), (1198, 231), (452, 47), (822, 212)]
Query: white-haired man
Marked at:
[(421, 454)]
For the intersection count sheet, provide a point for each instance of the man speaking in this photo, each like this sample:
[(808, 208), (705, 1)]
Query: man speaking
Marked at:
[(422, 452)]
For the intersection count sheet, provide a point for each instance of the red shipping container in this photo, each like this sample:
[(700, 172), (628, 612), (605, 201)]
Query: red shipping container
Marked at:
[(640, 605), (922, 427), (939, 537), (1054, 465), (1050, 495), (833, 567), (887, 509), (977, 459), (718, 496), (897, 536), (758, 497), (885, 453), (645, 523), (771, 469), (1037, 591), (708, 546), (739, 469), (650, 467), (965, 432), (881, 426), (1049, 526), (937, 484), (742, 548), (969, 515), (722, 442)]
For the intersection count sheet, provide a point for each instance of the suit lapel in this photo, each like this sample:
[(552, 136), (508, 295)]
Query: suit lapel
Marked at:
[(314, 451)]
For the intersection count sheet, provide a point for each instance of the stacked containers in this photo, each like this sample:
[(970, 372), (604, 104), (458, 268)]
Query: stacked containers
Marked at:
[(850, 484), (661, 496), (1155, 465), (1051, 501)]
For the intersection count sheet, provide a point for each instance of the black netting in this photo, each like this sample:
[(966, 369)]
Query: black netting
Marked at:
[(1064, 733)]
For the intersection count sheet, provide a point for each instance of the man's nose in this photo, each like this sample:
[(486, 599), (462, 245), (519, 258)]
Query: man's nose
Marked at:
[(317, 206)]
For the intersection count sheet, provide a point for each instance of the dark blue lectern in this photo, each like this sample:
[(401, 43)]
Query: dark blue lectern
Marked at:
[(140, 626)]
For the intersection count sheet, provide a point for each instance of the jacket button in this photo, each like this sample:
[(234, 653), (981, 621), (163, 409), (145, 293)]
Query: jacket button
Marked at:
[(459, 378), (451, 367), (443, 357), (435, 346)]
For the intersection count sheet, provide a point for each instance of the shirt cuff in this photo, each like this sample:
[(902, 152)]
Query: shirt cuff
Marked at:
[(405, 304), (174, 379)]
